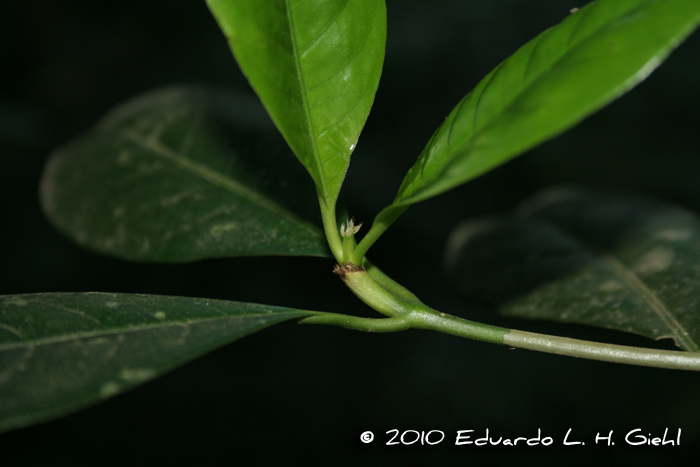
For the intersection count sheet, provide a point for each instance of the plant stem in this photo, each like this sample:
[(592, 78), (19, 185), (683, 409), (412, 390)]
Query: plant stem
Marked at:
[(677, 360), (406, 312), (418, 315), (436, 321), (388, 283), (370, 292), (397, 323), (382, 222), (348, 245), (330, 226)]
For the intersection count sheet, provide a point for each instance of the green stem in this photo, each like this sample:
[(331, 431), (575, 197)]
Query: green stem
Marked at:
[(397, 323), (672, 359), (677, 360), (370, 292), (388, 283), (330, 225), (348, 245), (409, 313), (442, 322), (419, 315), (382, 222)]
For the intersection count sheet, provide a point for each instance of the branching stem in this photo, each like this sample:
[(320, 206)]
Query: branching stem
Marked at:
[(379, 226), (404, 311)]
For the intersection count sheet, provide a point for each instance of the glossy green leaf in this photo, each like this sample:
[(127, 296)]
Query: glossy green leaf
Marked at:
[(315, 65), (617, 261), (183, 174), (61, 352), (547, 86)]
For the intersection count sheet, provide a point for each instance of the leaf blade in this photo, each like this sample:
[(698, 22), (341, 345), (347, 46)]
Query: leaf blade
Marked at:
[(616, 261), (182, 174), (61, 352), (548, 85), (316, 67)]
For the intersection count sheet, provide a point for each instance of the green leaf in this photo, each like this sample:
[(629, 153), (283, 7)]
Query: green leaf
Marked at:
[(182, 174), (616, 261), (315, 65), (547, 86), (65, 351)]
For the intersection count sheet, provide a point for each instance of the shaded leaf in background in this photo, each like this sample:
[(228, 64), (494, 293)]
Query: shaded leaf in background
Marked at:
[(617, 261), (316, 66), (546, 87), (60, 352), (183, 174)]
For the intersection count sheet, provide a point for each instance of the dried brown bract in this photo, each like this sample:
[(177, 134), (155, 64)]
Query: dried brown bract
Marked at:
[(346, 268)]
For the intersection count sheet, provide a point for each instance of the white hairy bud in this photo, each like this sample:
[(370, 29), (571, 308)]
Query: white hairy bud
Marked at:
[(349, 229)]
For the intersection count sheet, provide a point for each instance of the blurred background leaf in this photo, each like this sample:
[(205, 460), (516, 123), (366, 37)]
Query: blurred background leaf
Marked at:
[(613, 260), (181, 174)]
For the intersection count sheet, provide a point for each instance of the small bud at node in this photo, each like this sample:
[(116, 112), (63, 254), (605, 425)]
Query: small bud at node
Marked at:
[(349, 229)]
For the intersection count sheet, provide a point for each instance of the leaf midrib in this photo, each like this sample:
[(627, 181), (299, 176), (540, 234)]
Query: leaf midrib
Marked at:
[(633, 281), (134, 329), (305, 104)]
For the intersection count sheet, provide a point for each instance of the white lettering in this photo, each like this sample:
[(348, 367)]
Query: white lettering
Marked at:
[(642, 439), (463, 439), (570, 443), (601, 438)]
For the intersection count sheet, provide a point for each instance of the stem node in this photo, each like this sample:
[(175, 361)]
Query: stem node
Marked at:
[(347, 268)]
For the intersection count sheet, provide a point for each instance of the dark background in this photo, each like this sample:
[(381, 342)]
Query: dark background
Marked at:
[(296, 394)]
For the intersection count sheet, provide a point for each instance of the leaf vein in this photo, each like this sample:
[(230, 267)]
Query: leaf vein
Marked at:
[(534, 49), (680, 334), (215, 178), (323, 32), (12, 330), (350, 60), (127, 330), (76, 312), (305, 102)]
